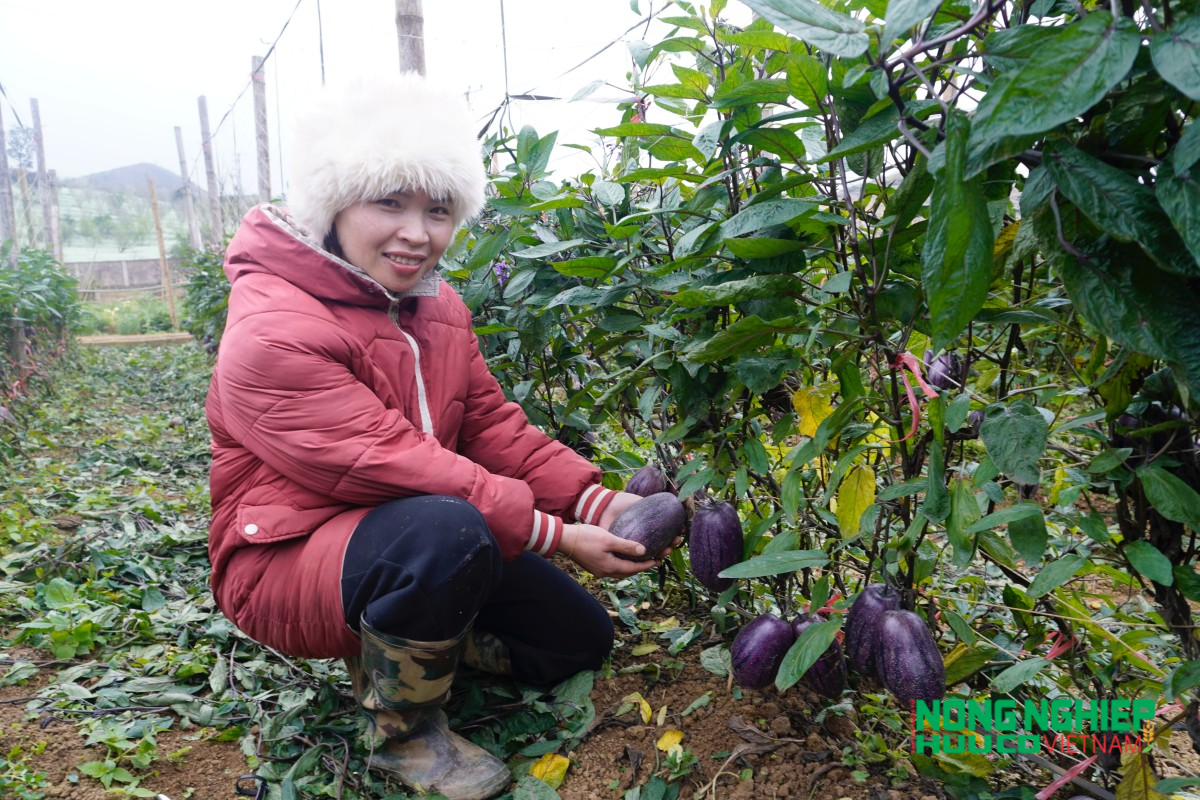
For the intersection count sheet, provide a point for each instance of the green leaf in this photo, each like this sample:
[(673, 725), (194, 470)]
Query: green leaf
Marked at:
[(835, 33), (1029, 537), (1134, 303), (937, 500), (60, 593), (753, 92), (965, 660), (1005, 516), (1176, 55), (1054, 574), (871, 133), (1179, 196), (548, 249), (531, 788), (1171, 785), (732, 292), (1185, 676), (1015, 438), (903, 15), (1118, 204), (1149, 561), (776, 564), (1187, 149), (808, 79), (1171, 496), (746, 334), (762, 248), (1018, 674), (757, 216), (1187, 581), (804, 652), (1138, 780), (964, 512), (957, 260), (1062, 79)]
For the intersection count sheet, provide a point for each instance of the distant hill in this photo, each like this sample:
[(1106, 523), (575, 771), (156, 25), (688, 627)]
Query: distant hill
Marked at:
[(131, 180)]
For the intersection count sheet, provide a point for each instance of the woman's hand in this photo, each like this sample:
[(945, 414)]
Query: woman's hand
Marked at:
[(595, 549), (622, 501)]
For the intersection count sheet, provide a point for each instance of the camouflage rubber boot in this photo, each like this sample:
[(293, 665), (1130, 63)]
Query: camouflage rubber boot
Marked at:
[(401, 685), (485, 652)]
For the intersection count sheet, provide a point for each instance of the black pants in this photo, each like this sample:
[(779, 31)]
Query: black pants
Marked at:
[(423, 567)]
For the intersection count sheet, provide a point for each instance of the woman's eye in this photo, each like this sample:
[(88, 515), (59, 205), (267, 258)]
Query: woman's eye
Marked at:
[(440, 211), (387, 202)]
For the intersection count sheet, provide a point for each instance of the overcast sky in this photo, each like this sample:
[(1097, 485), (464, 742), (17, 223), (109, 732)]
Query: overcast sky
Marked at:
[(114, 78)]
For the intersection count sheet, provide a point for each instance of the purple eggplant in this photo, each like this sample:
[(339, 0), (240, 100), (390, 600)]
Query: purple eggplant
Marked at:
[(647, 481), (827, 676), (862, 625), (908, 660), (758, 650), (715, 543)]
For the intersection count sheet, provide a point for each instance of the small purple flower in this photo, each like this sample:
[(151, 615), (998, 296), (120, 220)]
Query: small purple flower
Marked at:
[(501, 268)]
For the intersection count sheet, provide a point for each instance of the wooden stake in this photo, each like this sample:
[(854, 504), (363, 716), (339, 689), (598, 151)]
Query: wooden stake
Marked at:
[(410, 33), (188, 207), (210, 170), (168, 290), (259, 79), (43, 183)]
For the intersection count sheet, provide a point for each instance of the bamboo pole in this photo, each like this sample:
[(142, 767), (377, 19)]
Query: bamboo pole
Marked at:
[(168, 290), (188, 207), (210, 170), (410, 34), (55, 216), (8, 209), (43, 177), (259, 78)]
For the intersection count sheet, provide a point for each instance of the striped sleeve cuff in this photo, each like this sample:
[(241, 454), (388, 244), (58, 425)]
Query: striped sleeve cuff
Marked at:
[(547, 534), (592, 502)]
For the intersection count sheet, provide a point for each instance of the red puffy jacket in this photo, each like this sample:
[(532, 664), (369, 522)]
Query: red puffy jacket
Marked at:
[(330, 397)]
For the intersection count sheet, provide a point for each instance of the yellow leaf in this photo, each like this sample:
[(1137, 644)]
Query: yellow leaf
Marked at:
[(854, 496), (645, 649), (813, 406), (662, 716), (1138, 779), (1004, 242), (644, 710), (551, 769), (669, 739)]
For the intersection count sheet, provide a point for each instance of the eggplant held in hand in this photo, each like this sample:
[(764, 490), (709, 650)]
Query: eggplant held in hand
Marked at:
[(652, 522)]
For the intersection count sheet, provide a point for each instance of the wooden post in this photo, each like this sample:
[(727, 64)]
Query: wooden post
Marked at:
[(188, 208), (259, 78), (43, 178), (410, 34), (168, 289), (210, 170), (8, 210)]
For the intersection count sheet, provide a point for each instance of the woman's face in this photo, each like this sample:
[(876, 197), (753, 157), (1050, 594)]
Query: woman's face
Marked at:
[(397, 239)]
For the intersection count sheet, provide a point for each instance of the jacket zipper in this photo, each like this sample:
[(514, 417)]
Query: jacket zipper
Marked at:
[(422, 398)]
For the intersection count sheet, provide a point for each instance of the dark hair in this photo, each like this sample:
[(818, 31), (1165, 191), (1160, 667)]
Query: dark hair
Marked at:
[(331, 243)]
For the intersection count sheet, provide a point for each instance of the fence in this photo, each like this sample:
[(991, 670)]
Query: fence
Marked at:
[(111, 281)]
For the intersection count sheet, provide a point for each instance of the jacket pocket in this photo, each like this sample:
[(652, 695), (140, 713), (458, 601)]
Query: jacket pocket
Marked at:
[(266, 515)]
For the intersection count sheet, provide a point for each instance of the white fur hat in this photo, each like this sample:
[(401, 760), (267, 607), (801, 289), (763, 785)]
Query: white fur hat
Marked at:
[(377, 136)]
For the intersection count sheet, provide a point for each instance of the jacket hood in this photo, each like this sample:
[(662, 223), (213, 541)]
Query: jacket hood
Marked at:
[(271, 241)]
